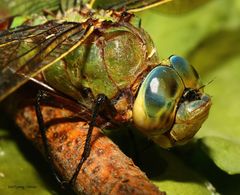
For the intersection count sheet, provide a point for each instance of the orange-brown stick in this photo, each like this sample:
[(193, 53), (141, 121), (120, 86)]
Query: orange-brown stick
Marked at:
[(106, 171)]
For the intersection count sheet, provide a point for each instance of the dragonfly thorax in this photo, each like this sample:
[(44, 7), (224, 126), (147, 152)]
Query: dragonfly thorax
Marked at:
[(112, 60)]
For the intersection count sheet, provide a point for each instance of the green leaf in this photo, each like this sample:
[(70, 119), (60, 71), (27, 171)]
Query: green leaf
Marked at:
[(221, 133), (224, 116), (225, 153), (181, 34), (178, 178), (17, 174)]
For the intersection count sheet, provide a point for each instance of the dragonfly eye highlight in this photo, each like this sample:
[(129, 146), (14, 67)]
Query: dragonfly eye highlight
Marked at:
[(154, 100)]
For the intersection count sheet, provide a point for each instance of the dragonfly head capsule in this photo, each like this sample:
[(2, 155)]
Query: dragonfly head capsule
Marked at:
[(171, 106)]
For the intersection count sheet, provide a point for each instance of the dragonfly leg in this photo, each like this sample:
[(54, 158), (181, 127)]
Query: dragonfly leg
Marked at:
[(100, 100), (42, 127), (54, 99), (102, 103)]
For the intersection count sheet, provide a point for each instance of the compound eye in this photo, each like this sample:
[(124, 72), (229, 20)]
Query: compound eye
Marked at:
[(163, 88), (156, 103), (187, 72)]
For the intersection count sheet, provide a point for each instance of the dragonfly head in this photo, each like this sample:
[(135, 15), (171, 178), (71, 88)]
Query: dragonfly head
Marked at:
[(171, 105)]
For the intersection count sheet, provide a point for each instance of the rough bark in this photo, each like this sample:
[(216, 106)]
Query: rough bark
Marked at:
[(106, 171)]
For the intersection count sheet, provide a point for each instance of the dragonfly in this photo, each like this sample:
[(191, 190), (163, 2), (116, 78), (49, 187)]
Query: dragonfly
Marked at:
[(99, 58)]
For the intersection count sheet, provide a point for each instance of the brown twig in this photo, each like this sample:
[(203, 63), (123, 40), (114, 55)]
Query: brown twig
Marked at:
[(106, 171)]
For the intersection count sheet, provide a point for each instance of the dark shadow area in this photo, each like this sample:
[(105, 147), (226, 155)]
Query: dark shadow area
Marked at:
[(196, 157), (188, 163), (157, 163), (140, 149)]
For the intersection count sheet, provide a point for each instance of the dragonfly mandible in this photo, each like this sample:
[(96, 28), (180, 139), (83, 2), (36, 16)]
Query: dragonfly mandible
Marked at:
[(103, 60)]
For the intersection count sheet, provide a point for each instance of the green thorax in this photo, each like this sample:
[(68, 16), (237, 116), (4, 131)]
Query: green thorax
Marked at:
[(110, 61)]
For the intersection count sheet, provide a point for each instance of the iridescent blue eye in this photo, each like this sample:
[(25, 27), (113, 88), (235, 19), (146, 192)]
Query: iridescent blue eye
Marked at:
[(187, 73), (162, 85), (178, 61), (157, 100)]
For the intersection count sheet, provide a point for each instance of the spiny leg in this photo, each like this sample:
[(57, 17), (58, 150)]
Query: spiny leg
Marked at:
[(43, 129), (53, 99), (101, 103), (101, 100)]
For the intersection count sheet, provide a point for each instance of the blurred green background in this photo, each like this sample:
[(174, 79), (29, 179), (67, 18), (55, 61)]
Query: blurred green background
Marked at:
[(207, 33)]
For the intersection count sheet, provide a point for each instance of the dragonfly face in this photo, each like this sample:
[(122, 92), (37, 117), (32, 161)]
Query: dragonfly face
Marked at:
[(109, 56), (171, 106)]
